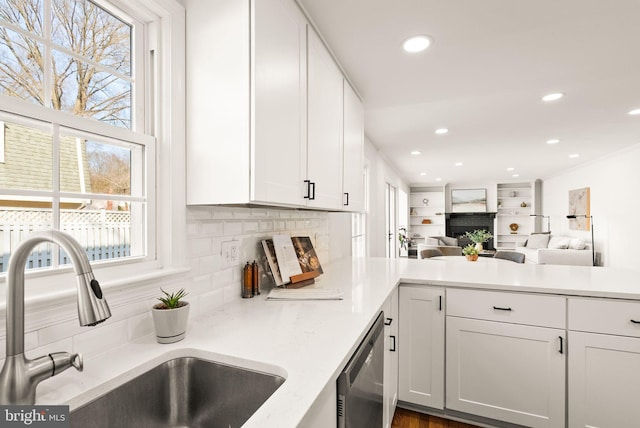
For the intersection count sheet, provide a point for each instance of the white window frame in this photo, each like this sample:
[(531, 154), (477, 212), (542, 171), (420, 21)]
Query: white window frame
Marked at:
[(2, 141), (166, 241)]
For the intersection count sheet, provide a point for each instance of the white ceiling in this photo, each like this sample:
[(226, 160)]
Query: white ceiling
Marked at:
[(490, 63)]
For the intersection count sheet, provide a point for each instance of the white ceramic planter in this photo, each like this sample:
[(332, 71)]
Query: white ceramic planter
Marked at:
[(171, 324)]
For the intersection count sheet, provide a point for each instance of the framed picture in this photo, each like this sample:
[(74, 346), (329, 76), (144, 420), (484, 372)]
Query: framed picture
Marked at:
[(468, 200), (579, 205)]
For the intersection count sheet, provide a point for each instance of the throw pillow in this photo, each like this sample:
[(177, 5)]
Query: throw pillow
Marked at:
[(446, 240), (577, 244), (538, 241), (558, 243)]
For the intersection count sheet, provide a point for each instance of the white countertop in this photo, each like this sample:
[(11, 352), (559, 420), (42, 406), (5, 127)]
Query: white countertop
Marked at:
[(309, 342)]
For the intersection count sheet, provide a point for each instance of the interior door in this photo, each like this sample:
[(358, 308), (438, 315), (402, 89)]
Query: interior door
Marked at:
[(391, 223)]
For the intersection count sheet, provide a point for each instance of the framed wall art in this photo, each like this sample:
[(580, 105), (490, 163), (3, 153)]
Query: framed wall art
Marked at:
[(579, 205), (468, 200)]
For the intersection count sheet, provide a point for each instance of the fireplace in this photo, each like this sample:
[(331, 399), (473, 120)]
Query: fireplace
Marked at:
[(457, 224)]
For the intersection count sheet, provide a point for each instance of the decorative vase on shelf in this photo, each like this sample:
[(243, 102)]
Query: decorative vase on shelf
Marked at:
[(523, 205), (514, 228), (479, 247), (512, 194)]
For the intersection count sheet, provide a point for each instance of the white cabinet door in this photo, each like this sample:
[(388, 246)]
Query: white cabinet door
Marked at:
[(390, 358), (513, 373), (324, 136), (604, 380), (353, 162), (278, 112), (421, 346)]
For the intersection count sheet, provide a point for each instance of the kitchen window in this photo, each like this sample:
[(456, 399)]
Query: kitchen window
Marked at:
[(85, 95)]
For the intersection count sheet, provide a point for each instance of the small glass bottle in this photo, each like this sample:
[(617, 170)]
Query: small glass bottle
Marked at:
[(247, 281)]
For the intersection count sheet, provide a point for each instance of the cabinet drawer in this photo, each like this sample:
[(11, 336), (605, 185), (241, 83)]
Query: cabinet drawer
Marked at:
[(516, 308), (605, 316)]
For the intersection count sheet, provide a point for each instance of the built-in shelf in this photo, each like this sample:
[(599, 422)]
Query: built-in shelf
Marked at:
[(426, 203)]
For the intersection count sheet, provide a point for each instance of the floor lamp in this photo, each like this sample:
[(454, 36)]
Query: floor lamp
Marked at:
[(544, 216), (593, 242)]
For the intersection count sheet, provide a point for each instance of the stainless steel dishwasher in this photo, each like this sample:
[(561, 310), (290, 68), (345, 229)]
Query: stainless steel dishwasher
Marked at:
[(360, 384)]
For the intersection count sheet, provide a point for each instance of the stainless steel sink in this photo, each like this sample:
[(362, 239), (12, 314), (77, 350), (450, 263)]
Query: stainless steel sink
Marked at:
[(184, 392)]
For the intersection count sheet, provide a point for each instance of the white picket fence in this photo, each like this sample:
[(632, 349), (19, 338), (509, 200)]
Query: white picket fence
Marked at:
[(103, 234)]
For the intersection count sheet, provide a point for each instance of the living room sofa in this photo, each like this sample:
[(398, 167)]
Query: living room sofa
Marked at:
[(545, 249), (448, 246)]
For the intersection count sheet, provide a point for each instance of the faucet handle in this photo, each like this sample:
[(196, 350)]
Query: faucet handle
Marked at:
[(64, 360)]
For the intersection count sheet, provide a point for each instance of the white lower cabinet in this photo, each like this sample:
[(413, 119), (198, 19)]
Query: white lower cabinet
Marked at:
[(513, 373), (390, 389), (421, 346), (604, 363), (500, 368)]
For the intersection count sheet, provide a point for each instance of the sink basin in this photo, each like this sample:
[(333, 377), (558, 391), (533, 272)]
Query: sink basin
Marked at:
[(184, 392)]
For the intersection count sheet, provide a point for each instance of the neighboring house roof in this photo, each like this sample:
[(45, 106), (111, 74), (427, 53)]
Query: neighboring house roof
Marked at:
[(28, 160)]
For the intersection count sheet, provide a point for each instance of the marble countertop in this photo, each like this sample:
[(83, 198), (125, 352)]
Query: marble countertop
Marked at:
[(309, 342)]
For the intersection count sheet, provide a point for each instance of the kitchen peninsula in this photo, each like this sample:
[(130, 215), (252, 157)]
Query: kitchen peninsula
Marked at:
[(309, 342)]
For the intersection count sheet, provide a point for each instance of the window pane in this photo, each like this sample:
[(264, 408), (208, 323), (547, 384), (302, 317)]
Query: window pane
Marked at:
[(82, 89), (18, 219), (21, 66), (104, 233), (90, 166), (93, 33), (27, 158), (26, 14)]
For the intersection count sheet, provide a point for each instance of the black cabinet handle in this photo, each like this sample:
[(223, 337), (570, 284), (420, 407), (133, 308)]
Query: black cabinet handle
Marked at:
[(308, 182), (439, 303), (388, 321), (635, 322), (347, 195), (561, 343), (393, 349), (498, 308), (313, 191)]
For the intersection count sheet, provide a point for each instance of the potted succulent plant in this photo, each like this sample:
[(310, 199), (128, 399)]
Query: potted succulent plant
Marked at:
[(470, 252), (170, 316), (479, 237)]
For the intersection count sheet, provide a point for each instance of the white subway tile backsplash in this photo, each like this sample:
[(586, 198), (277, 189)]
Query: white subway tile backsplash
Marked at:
[(232, 228), (210, 286), (98, 340)]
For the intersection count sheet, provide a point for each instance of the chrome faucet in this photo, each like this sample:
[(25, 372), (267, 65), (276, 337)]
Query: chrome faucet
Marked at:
[(20, 376)]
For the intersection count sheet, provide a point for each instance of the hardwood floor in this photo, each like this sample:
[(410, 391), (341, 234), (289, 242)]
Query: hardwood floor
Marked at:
[(407, 419)]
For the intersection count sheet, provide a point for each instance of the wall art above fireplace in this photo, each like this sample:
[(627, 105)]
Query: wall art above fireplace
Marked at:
[(468, 200)]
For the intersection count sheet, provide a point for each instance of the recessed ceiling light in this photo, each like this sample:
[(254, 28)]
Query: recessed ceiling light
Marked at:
[(416, 44), (415, 152), (553, 97), (634, 112), (553, 141), (423, 173), (516, 175), (510, 168), (459, 163), (574, 155), (442, 131), (438, 179)]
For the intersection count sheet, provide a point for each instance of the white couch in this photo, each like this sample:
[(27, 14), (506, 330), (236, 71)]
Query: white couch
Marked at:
[(545, 249)]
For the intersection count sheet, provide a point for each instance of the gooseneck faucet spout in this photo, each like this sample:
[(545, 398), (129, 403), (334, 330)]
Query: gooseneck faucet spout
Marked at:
[(20, 376)]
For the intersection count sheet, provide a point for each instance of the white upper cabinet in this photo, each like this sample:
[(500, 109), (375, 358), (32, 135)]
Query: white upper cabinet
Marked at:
[(278, 71), (324, 143), (353, 159), (264, 107)]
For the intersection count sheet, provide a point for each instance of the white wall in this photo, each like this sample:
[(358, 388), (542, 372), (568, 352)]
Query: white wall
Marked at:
[(380, 173), (615, 205)]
